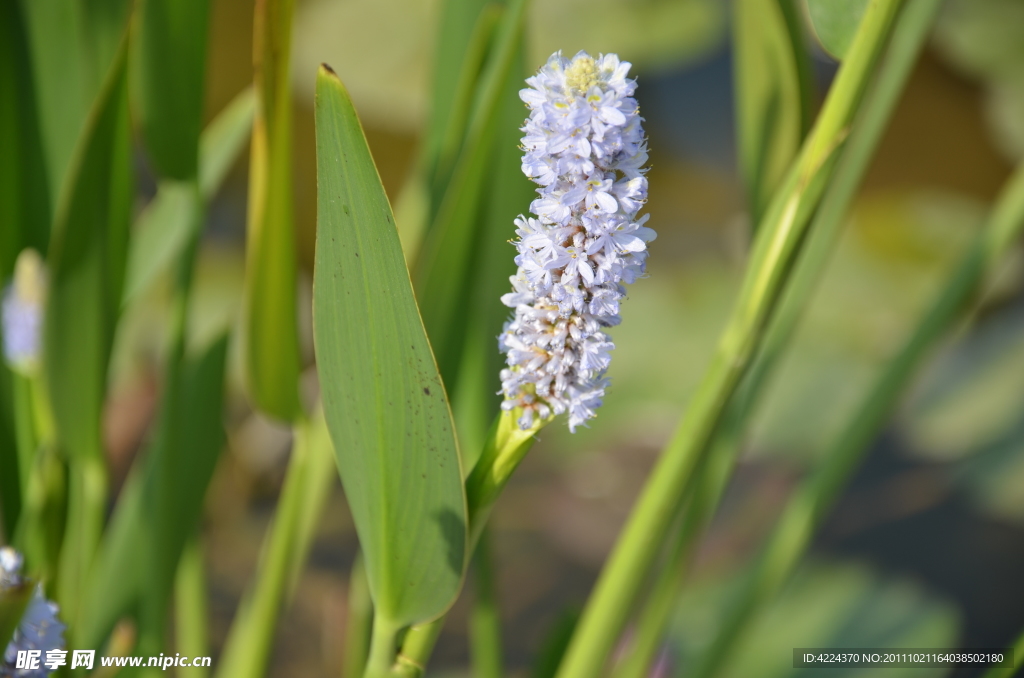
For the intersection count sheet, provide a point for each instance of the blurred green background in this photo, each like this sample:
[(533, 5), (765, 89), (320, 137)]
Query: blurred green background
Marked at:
[(926, 546)]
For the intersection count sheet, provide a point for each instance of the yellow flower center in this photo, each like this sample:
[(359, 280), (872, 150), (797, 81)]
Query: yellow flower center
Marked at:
[(581, 74)]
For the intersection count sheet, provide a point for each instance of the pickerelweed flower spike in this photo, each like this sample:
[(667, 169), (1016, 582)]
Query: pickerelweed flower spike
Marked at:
[(40, 629), (22, 319), (585, 147)]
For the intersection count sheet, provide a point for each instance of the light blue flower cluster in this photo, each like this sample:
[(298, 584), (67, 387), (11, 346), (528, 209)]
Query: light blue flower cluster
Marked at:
[(585, 147), (40, 629)]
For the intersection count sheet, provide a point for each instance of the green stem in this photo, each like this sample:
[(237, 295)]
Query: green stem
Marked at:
[(805, 509), (484, 621), (359, 622), (383, 649), (906, 44), (310, 475), (655, 615), (777, 243), (191, 615)]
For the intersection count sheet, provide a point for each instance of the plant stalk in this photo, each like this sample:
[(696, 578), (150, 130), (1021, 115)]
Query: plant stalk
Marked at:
[(777, 244)]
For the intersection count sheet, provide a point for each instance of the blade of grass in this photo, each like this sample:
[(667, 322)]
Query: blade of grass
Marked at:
[(271, 340), (87, 262), (484, 621), (170, 100), (806, 508), (24, 192), (286, 547), (776, 246), (190, 607), (161, 231), (442, 272), (768, 99)]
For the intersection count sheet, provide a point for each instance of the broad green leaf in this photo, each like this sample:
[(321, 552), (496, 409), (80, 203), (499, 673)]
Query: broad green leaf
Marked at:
[(768, 99), (270, 332), (163, 227), (835, 22), (24, 192), (443, 270), (169, 64), (384, 401), (87, 258)]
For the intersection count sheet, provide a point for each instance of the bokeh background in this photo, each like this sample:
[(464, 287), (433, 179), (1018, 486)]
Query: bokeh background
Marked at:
[(926, 546)]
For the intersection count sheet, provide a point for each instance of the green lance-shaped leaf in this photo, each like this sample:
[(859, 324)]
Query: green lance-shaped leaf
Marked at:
[(169, 64), (87, 263), (835, 23), (385, 405), (768, 99), (270, 340)]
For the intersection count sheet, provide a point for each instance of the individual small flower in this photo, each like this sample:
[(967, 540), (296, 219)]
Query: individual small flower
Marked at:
[(40, 629), (22, 315), (584, 146)]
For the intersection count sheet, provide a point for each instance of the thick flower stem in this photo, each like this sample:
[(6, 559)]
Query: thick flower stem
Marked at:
[(778, 242)]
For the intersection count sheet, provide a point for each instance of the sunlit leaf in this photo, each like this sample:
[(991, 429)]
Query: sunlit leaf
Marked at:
[(170, 59), (270, 333), (835, 22), (384, 402)]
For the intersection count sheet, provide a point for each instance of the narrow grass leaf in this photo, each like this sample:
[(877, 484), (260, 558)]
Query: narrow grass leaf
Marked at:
[(223, 140), (384, 401), (87, 263), (161, 503), (271, 339), (169, 64), (72, 45), (835, 22), (162, 230), (13, 602), (450, 248), (768, 99), (24, 192)]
